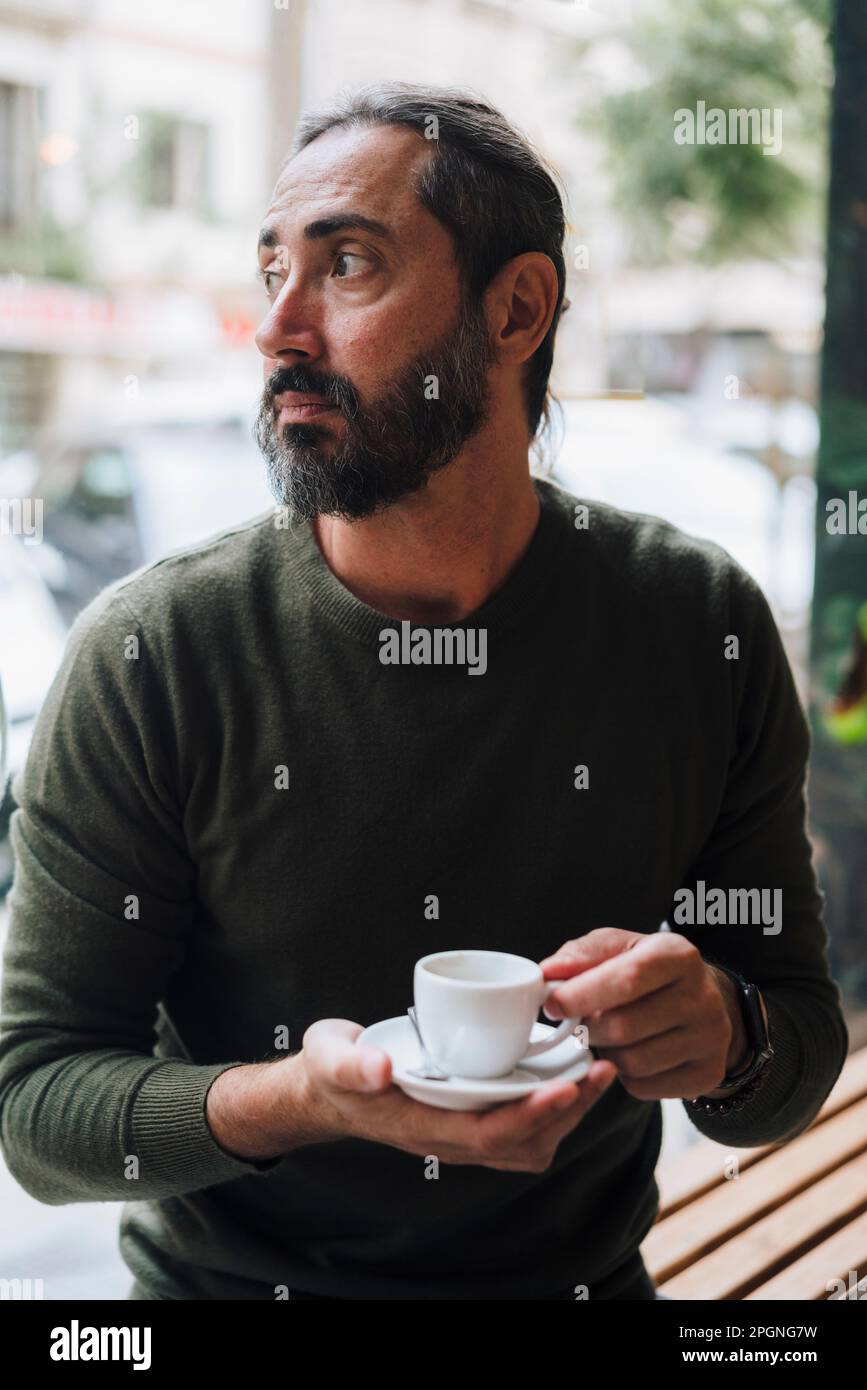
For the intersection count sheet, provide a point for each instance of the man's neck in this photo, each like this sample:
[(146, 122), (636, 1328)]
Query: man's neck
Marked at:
[(438, 555)]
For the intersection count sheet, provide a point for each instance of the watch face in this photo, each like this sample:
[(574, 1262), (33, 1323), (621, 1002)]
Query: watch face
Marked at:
[(757, 1017), (756, 1023)]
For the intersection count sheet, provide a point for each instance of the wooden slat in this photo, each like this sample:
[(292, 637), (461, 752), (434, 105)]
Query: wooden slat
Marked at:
[(696, 1171), (749, 1258), (682, 1179), (808, 1277), (851, 1084), (693, 1231)]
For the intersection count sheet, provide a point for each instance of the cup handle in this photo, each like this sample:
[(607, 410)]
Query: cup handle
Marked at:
[(562, 1031)]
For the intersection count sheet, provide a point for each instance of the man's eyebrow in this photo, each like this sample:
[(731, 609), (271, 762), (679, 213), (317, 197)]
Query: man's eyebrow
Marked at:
[(327, 226)]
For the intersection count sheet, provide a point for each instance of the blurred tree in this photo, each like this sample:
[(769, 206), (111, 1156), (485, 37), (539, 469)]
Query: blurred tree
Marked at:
[(716, 201)]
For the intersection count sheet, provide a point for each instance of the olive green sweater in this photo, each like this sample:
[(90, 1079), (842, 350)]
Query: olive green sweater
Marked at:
[(231, 821)]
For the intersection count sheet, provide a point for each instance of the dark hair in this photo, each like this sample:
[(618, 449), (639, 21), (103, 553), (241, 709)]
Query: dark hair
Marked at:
[(485, 182)]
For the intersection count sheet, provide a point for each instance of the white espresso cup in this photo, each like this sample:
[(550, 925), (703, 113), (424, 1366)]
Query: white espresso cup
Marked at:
[(476, 1010)]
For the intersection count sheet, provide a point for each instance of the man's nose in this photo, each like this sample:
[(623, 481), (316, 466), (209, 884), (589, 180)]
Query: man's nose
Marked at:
[(287, 327)]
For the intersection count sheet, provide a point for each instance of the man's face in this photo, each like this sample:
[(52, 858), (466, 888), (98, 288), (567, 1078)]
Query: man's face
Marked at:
[(375, 364)]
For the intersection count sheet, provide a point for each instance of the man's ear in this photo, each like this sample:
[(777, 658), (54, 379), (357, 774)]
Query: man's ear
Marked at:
[(522, 301)]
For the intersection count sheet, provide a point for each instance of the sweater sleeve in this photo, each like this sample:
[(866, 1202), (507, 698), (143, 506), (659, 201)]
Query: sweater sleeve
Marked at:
[(759, 841), (101, 909)]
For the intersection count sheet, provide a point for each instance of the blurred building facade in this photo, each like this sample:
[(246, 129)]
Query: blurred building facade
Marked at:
[(138, 149), (136, 145)]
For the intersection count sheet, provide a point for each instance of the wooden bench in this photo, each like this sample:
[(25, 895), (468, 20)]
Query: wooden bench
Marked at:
[(792, 1220)]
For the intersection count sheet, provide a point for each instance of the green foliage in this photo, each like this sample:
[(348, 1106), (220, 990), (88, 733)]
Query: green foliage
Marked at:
[(44, 249), (719, 201)]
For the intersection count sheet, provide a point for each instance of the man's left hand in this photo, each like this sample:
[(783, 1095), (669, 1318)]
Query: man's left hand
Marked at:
[(669, 1021)]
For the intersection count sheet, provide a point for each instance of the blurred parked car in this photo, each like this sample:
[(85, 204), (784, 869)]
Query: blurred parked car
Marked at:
[(647, 456), (116, 498)]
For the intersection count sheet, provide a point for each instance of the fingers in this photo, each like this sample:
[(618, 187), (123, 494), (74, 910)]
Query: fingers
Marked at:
[(521, 1135), (560, 1105), (620, 980), (334, 1056), (587, 950), (653, 1016)]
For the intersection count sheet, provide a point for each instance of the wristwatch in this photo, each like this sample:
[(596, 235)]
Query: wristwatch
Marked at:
[(744, 1083)]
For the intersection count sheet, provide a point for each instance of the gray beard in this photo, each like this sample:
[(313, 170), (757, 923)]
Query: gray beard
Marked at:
[(389, 450)]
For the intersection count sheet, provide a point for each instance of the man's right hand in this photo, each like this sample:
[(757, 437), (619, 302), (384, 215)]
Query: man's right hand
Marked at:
[(334, 1090)]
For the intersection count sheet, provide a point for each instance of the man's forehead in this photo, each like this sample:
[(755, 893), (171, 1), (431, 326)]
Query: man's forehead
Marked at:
[(376, 164)]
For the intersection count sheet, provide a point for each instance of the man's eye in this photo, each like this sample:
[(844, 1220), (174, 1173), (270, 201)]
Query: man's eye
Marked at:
[(342, 259), (346, 264)]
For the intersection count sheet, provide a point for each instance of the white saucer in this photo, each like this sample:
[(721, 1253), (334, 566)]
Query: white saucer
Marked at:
[(568, 1061)]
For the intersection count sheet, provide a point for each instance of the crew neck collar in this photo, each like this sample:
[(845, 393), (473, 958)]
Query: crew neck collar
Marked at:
[(506, 606)]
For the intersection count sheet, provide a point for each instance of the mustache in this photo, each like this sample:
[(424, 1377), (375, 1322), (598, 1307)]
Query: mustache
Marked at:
[(337, 390)]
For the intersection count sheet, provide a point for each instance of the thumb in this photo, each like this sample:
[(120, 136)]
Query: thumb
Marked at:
[(331, 1045)]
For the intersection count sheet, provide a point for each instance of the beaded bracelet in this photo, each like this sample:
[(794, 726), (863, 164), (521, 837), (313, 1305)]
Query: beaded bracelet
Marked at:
[(736, 1101)]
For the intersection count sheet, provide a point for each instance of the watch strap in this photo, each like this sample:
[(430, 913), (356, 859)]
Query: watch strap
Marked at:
[(744, 1083)]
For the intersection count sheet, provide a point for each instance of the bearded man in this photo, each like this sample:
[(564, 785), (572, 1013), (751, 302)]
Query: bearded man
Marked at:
[(239, 829)]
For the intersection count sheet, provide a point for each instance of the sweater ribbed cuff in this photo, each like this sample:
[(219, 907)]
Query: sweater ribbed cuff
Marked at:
[(807, 1060), (170, 1135)]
